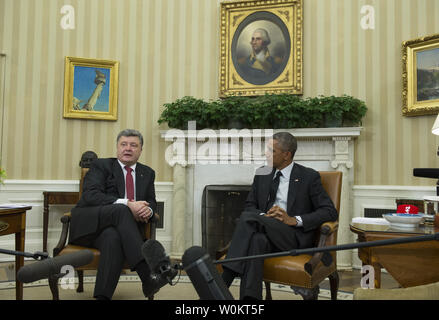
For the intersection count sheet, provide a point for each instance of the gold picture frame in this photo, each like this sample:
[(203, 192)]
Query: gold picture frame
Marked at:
[(420, 76), (242, 72), (91, 88)]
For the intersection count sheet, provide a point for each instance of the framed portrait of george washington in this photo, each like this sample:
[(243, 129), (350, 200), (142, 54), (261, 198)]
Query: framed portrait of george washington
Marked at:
[(90, 88), (420, 60), (261, 47)]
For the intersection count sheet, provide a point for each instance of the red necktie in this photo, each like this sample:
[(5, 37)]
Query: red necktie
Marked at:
[(129, 183)]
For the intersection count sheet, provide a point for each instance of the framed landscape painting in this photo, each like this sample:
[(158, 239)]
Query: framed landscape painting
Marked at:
[(421, 76), (90, 88)]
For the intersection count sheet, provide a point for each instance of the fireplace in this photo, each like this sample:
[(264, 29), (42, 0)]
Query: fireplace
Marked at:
[(221, 207), (206, 157)]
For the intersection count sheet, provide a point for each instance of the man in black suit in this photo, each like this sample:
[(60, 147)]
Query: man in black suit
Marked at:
[(285, 206), (118, 198)]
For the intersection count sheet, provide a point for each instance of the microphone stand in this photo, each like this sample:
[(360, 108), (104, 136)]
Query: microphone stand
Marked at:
[(348, 246), (38, 255)]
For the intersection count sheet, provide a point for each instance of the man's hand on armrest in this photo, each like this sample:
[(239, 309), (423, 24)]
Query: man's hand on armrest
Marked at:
[(140, 210)]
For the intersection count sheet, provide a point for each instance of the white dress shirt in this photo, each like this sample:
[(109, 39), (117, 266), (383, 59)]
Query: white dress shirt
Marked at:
[(133, 173), (282, 192)]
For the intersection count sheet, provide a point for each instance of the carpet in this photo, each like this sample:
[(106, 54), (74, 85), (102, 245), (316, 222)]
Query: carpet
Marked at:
[(130, 288)]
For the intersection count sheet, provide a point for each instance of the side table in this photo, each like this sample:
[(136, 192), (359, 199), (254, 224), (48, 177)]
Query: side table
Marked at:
[(13, 220), (55, 197), (410, 264)]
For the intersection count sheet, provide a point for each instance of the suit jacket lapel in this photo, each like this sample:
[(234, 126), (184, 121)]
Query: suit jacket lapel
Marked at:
[(294, 183), (120, 179), (140, 182), (266, 184)]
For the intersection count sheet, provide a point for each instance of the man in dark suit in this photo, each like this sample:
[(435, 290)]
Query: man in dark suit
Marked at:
[(118, 198), (285, 206)]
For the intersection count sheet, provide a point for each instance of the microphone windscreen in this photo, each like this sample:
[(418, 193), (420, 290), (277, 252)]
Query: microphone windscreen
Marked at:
[(204, 276), (47, 267), (426, 173), (191, 255)]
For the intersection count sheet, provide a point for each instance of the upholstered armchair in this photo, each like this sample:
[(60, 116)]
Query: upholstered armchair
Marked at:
[(305, 272)]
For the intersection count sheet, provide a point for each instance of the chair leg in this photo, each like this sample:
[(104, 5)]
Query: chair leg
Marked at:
[(268, 291), (53, 284), (80, 281), (334, 280), (307, 293)]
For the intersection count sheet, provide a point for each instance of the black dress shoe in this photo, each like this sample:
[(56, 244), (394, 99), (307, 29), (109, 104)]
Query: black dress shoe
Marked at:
[(157, 281)]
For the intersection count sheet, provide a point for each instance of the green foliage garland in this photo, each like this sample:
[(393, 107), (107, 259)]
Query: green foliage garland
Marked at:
[(269, 111)]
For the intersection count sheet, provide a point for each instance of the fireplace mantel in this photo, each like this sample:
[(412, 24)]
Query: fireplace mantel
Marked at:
[(172, 134), (205, 157)]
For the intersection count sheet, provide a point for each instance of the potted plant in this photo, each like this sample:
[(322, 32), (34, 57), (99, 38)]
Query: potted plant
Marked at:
[(339, 111), (354, 110), (238, 111), (267, 111), (178, 113)]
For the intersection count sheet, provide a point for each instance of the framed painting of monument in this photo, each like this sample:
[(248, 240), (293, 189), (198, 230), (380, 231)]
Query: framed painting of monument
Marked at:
[(420, 59), (90, 88), (261, 47)]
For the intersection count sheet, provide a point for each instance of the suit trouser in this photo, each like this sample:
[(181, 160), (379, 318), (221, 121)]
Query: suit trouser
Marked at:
[(256, 235), (119, 239)]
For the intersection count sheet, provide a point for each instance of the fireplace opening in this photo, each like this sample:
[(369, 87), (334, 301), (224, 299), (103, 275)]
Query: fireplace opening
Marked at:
[(221, 207)]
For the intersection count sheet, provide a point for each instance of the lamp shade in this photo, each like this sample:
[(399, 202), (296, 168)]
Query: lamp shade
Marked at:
[(435, 129)]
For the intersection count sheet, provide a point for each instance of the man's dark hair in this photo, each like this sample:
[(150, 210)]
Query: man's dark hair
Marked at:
[(130, 133), (286, 141)]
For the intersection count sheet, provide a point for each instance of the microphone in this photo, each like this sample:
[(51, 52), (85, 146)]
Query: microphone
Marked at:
[(204, 276), (426, 172), (337, 247), (210, 286), (158, 261), (50, 266)]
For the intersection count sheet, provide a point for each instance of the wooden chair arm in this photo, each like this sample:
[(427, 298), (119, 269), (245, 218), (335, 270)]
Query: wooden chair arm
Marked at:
[(66, 217), (153, 225), (155, 218), (222, 251), (326, 230), (65, 220)]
